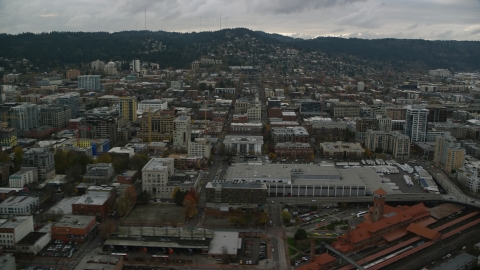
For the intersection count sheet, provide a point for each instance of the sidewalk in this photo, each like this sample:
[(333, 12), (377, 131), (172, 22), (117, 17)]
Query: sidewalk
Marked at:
[(266, 264)]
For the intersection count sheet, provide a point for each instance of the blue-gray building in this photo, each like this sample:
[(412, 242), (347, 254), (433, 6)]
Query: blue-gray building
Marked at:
[(72, 101), (89, 82)]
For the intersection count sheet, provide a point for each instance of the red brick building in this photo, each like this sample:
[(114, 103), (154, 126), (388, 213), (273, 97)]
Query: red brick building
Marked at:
[(289, 116), (240, 118), (275, 112), (74, 228), (293, 150), (93, 205), (384, 224), (128, 177)]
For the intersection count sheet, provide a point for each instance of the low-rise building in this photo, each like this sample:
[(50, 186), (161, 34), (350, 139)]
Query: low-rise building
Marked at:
[(14, 230), (24, 176), (33, 242), (100, 173), (74, 228), (128, 177), (155, 175), (19, 206), (342, 150), (346, 109), (327, 130), (290, 134), (294, 150), (93, 205), (235, 195), (243, 144)]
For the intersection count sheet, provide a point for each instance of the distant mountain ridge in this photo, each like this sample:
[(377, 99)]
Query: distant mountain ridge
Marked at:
[(59, 48)]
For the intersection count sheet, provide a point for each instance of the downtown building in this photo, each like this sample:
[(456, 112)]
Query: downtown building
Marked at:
[(448, 153), (156, 125), (416, 123), (89, 82), (182, 132), (390, 142)]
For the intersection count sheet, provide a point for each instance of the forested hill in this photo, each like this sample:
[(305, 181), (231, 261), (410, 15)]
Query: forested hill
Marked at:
[(177, 50)]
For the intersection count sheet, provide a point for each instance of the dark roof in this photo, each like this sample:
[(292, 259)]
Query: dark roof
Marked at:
[(31, 238)]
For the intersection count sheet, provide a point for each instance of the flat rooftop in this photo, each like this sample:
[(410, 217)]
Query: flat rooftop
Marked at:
[(31, 238), (92, 200), (74, 221), (18, 201), (14, 222), (284, 172), (64, 206), (157, 164), (105, 262)]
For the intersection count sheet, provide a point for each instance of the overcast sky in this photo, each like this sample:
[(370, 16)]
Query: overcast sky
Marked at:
[(424, 19)]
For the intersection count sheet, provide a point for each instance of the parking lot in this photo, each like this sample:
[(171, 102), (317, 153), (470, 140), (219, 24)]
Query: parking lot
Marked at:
[(253, 250), (58, 248)]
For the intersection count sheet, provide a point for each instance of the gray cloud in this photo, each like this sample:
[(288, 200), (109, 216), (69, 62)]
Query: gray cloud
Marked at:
[(475, 31), (412, 27), (291, 6), (301, 18)]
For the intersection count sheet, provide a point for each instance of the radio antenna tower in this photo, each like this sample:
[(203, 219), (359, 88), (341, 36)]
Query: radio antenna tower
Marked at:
[(220, 22), (145, 18)]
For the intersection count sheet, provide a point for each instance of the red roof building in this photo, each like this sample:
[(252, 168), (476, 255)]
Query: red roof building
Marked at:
[(322, 261), (384, 224)]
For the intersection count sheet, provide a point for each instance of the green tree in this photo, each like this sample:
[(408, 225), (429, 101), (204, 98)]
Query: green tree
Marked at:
[(4, 157), (106, 228), (138, 161), (300, 235), (122, 206), (263, 218), (143, 197), (18, 154), (234, 220), (179, 196), (286, 217), (104, 158), (61, 161)]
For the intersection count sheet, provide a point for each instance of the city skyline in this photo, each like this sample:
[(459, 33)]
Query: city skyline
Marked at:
[(425, 19)]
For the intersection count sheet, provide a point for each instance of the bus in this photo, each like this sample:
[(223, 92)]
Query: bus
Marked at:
[(361, 213), (120, 254)]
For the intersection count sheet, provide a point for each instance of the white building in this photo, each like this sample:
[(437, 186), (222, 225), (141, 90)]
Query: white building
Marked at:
[(130, 151), (155, 175), (243, 144), (416, 123), (254, 112), (199, 148), (176, 84), (439, 73), (25, 176), (136, 65), (18, 205), (360, 86), (110, 69), (182, 132), (14, 229), (153, 105)]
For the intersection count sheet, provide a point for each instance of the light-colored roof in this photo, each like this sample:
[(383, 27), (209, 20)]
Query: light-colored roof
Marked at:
[(92, 200), (224, 242)]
